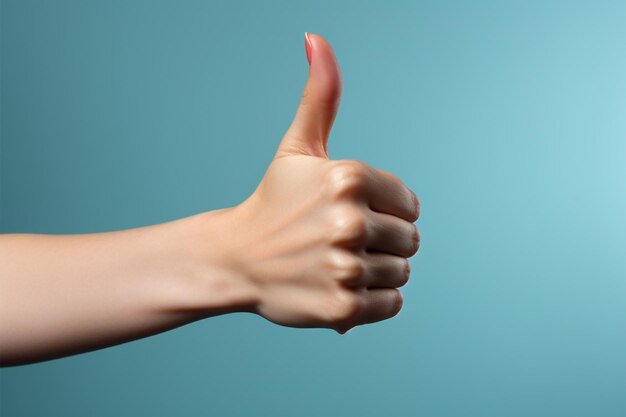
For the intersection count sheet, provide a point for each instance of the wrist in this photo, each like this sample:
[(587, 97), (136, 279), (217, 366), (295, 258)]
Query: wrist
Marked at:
[(210, 281)]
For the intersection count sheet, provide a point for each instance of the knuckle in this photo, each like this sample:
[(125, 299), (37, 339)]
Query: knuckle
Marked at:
[(397, 181), (414, 205), (346, 179), (393, 178), (415, 240), (417, 205), (406, 273), (397, 301), (348, 268), (343, 306), (350, 225)]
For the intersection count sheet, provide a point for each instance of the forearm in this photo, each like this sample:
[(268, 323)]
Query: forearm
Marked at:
[(61, 295)]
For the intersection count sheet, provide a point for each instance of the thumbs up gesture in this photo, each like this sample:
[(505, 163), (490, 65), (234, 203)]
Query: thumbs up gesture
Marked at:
[(325, 242)]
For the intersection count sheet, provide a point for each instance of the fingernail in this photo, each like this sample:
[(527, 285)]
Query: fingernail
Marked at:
[(307, 45)]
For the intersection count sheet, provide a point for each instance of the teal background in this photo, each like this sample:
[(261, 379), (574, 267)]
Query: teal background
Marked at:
[(508, 118)]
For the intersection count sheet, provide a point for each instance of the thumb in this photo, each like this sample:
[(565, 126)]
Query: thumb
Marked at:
[(308, 133)]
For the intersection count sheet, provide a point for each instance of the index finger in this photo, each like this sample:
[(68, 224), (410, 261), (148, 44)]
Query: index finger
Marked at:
[(387, 193)]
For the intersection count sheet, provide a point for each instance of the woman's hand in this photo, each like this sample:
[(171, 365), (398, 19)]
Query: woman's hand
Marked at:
[(324, 242), (319, 243)]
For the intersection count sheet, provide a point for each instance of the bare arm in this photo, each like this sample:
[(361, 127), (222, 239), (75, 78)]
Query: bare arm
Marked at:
[(61, 295), (319, 243)]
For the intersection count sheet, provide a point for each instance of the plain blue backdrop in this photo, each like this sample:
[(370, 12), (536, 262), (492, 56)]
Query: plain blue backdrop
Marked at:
[(508, 118)]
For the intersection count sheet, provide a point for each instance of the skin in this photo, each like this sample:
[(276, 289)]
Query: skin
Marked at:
[(320, 243)]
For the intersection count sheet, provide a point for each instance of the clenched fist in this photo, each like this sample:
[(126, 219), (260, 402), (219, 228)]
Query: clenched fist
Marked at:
[(324, 242), (319, 243)]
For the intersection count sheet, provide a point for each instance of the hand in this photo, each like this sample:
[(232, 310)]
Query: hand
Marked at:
[(319, 243), (324, 242)]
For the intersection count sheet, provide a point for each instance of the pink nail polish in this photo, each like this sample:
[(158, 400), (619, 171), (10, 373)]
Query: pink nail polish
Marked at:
[(307, 45)]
